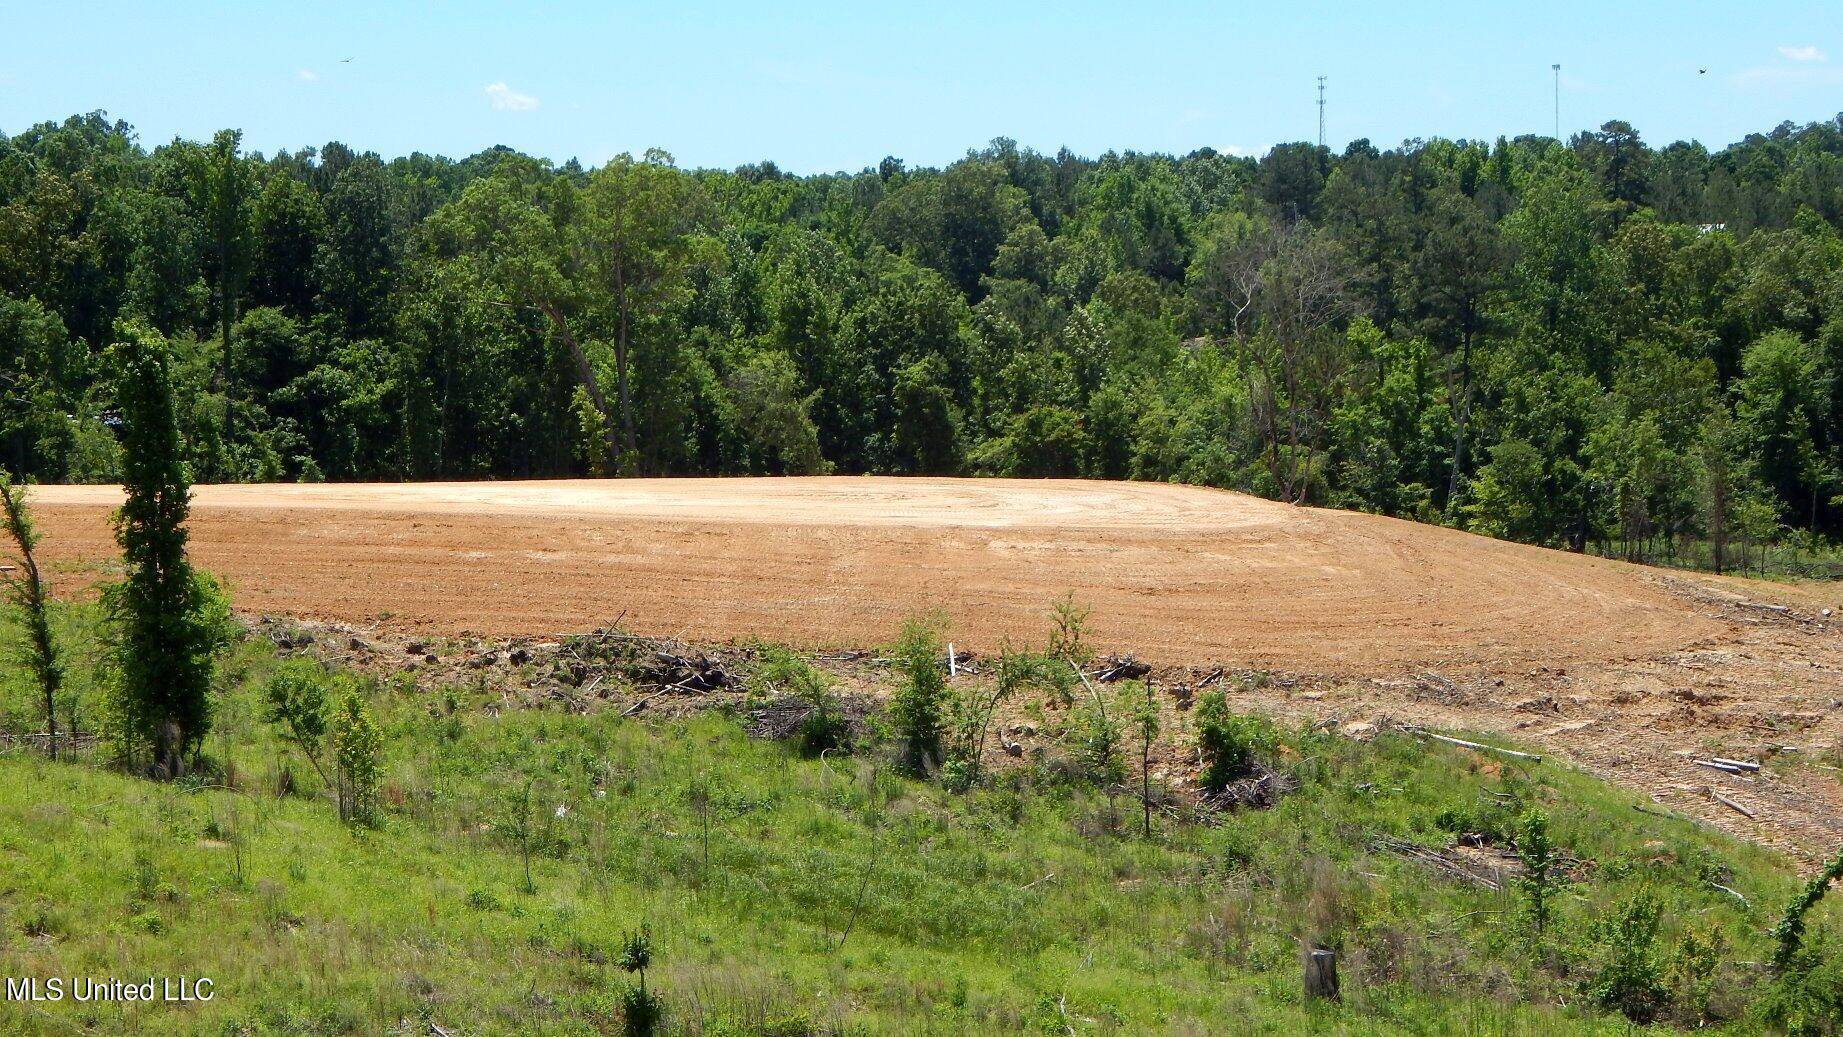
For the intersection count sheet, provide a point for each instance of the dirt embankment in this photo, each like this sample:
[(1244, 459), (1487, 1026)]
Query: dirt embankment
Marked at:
[(1619, 667)]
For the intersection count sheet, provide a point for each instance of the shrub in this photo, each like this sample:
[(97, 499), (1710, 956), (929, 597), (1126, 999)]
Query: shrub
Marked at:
[(1097, 740), (973, 711), (957, 775), (1790, 930), (1630, 979), (918, 709), (641, 1009), (1807, 998), (1537, 883), (1145, 724), (825, 726), (295, 698), (640, 1012), (1067, 641), (358, 749), (1694, 972), (1231, 744)]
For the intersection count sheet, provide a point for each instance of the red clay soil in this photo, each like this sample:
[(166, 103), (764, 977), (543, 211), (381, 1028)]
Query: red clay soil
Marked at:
[(1174, 572), (1615, 665)]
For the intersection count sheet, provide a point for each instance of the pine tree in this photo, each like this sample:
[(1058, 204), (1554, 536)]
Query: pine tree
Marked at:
[(169, 622), (28, 592)]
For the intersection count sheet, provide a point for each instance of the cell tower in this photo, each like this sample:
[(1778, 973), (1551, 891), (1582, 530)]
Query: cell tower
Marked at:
[(1557, 70), (1321, 111)]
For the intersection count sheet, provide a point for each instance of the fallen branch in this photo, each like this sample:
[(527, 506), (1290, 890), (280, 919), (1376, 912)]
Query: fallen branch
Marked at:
[(1092, 690), (1429, 857), (1732, 805), (1462, 743), (1733, 894), (684, 685), (640, 705)]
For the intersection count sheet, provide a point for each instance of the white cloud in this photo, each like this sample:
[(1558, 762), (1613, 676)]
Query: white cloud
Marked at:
[(307, 75), (506, 99), (1239, 151), (1791, 76), (1805, 53)]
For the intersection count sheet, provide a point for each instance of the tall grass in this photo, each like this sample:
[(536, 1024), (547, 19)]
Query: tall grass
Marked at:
[(789, 895)]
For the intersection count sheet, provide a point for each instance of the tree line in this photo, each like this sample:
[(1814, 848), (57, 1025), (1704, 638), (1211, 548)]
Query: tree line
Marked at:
[(1590, 344)]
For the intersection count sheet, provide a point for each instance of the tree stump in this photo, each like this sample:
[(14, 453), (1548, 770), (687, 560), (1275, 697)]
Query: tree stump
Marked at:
[(1321, 974)]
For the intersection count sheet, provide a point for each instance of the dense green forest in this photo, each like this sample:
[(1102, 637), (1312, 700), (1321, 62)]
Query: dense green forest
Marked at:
[(1596, 344)]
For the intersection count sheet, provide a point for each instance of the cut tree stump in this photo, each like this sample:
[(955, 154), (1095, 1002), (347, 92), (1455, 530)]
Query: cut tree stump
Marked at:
[(1321, 974)]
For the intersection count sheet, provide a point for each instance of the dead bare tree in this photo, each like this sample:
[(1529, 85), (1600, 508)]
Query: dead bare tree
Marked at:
[(1281, 292)]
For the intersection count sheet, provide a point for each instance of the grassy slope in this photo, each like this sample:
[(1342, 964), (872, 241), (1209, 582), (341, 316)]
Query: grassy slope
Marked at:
[(1029, 907)]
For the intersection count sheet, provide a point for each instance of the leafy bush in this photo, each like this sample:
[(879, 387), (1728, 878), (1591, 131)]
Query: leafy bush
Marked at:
[(358, 748), (1630, 977), (1807, 998), (918, 709), (640, 1012), (1790, 930), (825, 727), (1097, 739), (1232, 744), (297, 700), (1537, 883), (641, 1009), (1068, 641), (1697, 964)]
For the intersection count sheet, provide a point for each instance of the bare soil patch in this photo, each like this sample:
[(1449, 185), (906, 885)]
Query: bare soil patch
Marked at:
[(1632, 672)]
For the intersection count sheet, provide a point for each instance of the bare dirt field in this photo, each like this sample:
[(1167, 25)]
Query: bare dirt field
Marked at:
[(1627, 670)]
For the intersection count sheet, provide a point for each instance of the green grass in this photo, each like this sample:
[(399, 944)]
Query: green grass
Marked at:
[(815, 897)]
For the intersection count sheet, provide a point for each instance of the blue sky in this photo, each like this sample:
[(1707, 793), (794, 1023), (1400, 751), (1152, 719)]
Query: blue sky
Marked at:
[(827, 86)]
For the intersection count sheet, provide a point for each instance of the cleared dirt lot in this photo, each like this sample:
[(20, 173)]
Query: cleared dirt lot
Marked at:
[(1629, 671), (1173, 572)]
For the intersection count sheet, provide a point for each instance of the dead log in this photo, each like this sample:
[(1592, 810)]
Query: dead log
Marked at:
[(1121, 668), (1732, 805), (1462, 743)]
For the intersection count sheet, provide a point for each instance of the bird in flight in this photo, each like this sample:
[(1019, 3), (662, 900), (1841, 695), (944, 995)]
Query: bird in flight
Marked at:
[(345, 61)]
